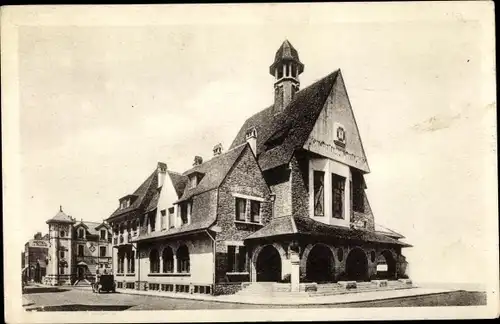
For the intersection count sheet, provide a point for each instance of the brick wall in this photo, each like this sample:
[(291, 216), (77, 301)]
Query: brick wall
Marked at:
[(299, 180), (366, 216), (245, 179)]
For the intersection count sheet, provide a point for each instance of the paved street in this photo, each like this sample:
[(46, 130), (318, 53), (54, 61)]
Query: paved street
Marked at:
[(71, 299)]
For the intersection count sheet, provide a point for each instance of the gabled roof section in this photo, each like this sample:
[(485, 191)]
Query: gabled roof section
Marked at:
[(214, 170), (103, 224), (149, 184), (92, 227), (290, 128), (179, 182)]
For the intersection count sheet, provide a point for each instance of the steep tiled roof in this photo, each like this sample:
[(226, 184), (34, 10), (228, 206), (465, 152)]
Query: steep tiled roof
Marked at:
[(154, 200), (308, 226), (279, 135), (214, 171), (197, 226), (179, 182), (92, 227), (61, 217), (149, 184)]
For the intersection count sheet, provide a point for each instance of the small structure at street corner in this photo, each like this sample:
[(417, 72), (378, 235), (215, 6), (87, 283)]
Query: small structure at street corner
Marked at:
[(283, 209)]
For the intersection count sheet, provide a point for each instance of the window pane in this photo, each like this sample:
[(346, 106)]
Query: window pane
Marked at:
[(338, 184), (171, 221), (240, 209), (319, 193), (230, 258), (242, 258), (255, 211)]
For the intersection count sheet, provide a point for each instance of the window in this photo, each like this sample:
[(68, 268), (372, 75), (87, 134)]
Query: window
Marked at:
[(154, 261), (121, 262), (358, 192), (236, 259), (255, 211), (62, 270), (63, 234), (102, 251), (171, 219), (241, 206), (185, 210), (61, 254), (80, 233), (131, 262), (103, 234), (168, 260), (152, 221), (80, 250), (287, 70), (319, 193), (182, 259), (294, 70), (192, 181), (163, 219), (338, 184)]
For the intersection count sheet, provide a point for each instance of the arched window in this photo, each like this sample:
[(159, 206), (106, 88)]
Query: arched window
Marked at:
[(168, 260), (63, 234), (154, 261), (182, 259)]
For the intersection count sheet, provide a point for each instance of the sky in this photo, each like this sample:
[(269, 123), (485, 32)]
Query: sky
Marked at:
[(101, 101)]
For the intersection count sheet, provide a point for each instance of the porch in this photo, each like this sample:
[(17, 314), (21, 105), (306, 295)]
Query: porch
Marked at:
[(299, 250)]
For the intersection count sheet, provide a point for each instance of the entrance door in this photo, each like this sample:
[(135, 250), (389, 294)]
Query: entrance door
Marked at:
[(357, 265), (268, 264), (80, 272)]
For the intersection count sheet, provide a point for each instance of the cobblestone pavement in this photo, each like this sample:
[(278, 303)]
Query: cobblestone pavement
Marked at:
[(71, 299)]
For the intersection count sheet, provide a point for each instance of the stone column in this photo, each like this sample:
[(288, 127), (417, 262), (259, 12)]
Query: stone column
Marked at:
[(295, 271)]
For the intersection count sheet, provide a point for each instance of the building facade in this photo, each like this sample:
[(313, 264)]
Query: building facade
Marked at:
[(285, 203), (35, 257), (78, 250)]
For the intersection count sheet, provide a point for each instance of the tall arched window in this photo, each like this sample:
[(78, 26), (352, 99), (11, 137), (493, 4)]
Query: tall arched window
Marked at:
[(154, 261), (168, 260), (182, 259)]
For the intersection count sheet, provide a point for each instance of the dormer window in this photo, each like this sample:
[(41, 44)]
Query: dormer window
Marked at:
[(125, 203), (185, 212), (103, 234), (194, 179), (81, 233)]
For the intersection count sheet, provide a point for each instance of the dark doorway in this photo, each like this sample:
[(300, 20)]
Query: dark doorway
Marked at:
[(268, 264), (80, 272), (386, 266), (357, 265), (320, 264)]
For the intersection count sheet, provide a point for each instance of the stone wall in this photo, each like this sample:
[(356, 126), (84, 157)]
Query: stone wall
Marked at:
[(299, 179)]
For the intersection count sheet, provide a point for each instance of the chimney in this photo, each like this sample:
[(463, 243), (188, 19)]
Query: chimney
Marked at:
[(162, 172), (38, 236), (217, 149), (251, 138), (197, 160)]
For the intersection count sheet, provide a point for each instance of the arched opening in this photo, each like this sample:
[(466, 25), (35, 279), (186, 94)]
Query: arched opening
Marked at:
[(168, 260), (154, 261), (268, 264), (182, 255), (386, 266), (320, 264), (357, 265)]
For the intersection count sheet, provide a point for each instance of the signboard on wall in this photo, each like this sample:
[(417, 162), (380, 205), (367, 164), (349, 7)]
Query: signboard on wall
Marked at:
[(38, 243)]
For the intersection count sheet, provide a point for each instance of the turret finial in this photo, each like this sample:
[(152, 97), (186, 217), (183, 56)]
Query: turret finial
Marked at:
[(60, 208)]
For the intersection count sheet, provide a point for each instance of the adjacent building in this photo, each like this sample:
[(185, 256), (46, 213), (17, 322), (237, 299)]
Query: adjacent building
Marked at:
[(285, 203), (35, 257), (78, 250)]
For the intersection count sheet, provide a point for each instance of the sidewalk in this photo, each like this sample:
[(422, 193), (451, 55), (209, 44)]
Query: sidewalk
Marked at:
[(306, 300)]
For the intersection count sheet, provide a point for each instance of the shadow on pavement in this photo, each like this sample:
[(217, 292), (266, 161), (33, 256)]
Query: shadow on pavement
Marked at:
[(40, 290), (80, 307)]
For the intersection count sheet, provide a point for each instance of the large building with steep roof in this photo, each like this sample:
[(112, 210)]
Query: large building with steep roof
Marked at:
[(77, 250), (286, 203)]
